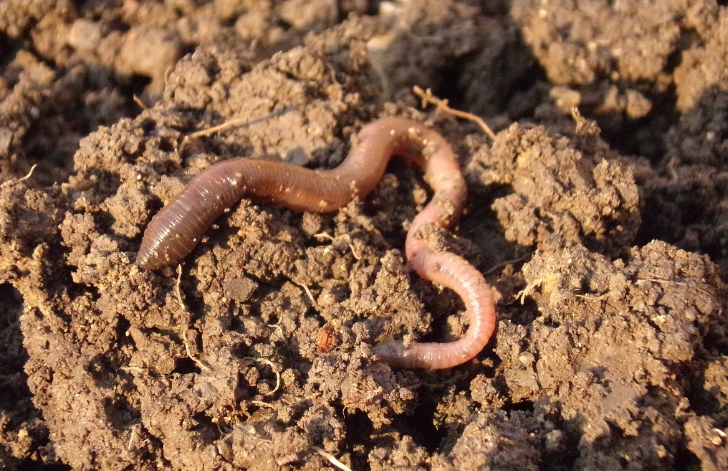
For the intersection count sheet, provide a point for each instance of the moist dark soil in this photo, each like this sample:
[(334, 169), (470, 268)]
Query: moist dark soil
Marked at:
[(603, 232)]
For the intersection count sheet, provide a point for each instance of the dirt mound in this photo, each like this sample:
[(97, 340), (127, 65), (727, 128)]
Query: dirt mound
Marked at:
[(604, 237)]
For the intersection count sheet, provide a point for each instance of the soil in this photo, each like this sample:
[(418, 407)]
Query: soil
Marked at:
[(603, 232)]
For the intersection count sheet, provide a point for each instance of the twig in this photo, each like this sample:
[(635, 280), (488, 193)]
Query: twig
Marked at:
[(131, 439), (503, 264), (323, 235), (529, 289), (246, 121), (261, 404), (139, 102), (16, 180), (177, 290), (220, 127), (30, 173), (428, 97), (308, 293), (332, 459), (197, 361), (592, 297), (132, 369), (272, 367)]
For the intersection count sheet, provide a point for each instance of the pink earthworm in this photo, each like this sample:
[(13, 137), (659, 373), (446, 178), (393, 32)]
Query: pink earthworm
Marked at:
[(178, 227)]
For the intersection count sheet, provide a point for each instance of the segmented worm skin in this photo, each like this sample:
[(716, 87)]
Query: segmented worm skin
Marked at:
[(178, 227)]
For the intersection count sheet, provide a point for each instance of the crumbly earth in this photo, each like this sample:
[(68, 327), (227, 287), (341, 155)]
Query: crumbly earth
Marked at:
[(604, 235)]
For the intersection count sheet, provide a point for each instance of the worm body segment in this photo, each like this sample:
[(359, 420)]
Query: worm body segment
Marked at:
[(178, 227)]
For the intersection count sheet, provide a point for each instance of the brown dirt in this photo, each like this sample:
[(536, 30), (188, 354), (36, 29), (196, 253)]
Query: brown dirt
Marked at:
[(605, 238)]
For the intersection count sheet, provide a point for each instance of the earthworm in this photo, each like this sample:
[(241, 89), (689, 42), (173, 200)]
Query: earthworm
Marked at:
[(178, 227)]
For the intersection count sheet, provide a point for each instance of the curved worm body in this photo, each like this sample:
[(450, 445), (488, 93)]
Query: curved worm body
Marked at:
[(178, 227)]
